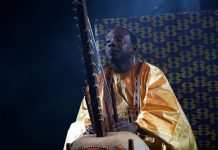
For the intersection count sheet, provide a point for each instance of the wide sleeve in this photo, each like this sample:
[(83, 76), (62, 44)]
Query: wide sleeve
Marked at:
[(161, 114), (78, 128), (83, 115)]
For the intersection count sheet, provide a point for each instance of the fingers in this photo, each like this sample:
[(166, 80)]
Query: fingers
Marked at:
[(90, 130), (117, 127), (122, 125)]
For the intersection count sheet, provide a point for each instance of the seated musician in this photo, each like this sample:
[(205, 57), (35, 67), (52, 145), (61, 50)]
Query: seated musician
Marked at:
[(146, 104)]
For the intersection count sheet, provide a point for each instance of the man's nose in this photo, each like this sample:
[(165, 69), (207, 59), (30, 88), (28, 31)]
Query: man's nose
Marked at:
[(112, 43)]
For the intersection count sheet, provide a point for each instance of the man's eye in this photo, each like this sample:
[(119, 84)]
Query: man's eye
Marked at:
[(108, 41), (119, 40)]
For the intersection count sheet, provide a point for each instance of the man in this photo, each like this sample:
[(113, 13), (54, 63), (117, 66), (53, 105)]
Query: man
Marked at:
[(145, 102)]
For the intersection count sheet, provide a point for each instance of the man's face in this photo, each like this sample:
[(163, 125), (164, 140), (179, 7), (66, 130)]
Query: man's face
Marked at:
[(119, 45)]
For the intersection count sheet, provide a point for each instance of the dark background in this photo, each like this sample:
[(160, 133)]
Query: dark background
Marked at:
[(41, 74)]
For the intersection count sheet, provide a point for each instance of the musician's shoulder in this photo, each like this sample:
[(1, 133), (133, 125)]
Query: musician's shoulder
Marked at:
[(147, 65), (144, 65)]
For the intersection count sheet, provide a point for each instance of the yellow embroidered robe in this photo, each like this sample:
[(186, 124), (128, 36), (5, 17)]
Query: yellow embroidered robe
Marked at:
[(160, 114)]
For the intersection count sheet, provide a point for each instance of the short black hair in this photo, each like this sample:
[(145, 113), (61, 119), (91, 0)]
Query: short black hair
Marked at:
[(133, 37)]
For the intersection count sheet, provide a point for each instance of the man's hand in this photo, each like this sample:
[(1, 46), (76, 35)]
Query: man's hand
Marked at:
[(124, 125), (90, 130)]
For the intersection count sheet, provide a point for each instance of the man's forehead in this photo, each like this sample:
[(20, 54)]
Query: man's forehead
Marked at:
[(118, 31)]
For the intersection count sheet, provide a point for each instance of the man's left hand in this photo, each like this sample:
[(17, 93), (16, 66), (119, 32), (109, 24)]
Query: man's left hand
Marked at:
[(124, 125)]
